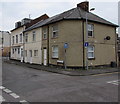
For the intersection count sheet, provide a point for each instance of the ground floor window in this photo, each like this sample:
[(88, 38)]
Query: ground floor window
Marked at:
[(18, 50), (90, 52), (35, 52), (55, 51), (25, 53), (13, 51)]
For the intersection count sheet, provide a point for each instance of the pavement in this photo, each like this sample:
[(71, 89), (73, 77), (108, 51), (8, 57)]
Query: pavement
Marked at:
[(59, 70)]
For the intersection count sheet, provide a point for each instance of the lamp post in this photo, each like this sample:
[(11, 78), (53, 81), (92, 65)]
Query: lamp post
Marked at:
[(87, 37)]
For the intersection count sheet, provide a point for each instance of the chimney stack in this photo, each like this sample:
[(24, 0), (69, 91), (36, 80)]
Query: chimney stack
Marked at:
[(84, 5)]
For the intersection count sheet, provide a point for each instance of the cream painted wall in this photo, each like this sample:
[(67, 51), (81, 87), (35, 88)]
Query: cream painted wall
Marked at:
[(30, 45), (19, 45), (70, 31)]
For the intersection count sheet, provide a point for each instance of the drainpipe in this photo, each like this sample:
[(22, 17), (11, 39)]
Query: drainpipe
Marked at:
[(116, 49), (48, 46), (83, 45)]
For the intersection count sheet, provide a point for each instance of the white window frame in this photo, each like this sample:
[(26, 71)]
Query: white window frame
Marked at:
[(25, 53), (45, 33), (21, 37), (54, 31), (35, 53), (13, 51), (18, 50), (13, 39), (16, 38), (26, 37), (91, 30), (34, 36), (53, 51), (91, 51)]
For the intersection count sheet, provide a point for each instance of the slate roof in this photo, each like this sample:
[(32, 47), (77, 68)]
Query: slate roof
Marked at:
[(73, 14)]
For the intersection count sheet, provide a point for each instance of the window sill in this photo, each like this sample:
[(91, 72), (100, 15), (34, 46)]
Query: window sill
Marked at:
[(44, 39), (90, 36), (91, 58), (54, 58), (54, 37)]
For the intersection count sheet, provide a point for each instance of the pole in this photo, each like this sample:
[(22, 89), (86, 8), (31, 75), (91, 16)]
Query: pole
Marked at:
[(86, 41), (65, 60)]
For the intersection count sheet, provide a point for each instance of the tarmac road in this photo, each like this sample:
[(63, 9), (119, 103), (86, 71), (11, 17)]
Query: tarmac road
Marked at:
[(40, 86)]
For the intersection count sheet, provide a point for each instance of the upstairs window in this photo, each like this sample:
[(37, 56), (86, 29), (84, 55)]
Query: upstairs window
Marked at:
[(90, 52), (54, 31), (20, 37), (55, 51), (45, 33), (34, 36), (13, 40), (16, 38), (26, 37), (90, 30)]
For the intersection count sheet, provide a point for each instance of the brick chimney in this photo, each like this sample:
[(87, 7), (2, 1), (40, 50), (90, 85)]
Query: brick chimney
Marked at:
[(84, 5)]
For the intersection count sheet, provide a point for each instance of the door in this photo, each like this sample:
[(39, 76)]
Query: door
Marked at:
[(30, 56), (45, 57)]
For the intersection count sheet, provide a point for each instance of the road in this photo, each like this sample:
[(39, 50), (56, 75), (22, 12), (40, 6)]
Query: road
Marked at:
[(29, 85)]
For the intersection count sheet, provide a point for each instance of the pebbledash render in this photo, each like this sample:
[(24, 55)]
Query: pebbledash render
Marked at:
[(69, 28)]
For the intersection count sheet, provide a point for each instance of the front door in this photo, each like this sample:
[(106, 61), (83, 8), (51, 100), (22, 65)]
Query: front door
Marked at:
[(45, 57), (30, 56)]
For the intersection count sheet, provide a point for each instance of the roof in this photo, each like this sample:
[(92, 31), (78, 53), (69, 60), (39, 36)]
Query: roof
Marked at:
[(72, 14)]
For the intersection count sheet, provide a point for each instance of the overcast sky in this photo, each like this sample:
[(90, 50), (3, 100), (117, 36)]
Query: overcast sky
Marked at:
[(16, 10)]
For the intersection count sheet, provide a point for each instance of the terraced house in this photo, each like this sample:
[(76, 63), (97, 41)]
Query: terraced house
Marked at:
[(17, 36), (64, 37)]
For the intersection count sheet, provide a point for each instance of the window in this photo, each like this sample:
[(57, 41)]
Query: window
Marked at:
[(20, 37), (44, 33), (18, 50), (34, 36), (13, 51), (30, 51), (26, 37), (25, 53), (91, 52), (16, 38), (55, 52), (21, 52), (55, 31), (90, 30), (35, 52), (13, 41)]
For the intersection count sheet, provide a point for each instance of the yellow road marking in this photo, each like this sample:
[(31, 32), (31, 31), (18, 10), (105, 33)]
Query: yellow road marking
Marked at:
[(105, 74)]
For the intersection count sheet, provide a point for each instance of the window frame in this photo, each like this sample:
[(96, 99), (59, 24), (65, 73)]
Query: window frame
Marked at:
[(35, 54), (16, 38), (45, 33), (21, 37), (33, 36), (54, 31), (13, 39), (55, 52), (25, 53), (26, 37), (18, 50), (90, 30), (93, 52)]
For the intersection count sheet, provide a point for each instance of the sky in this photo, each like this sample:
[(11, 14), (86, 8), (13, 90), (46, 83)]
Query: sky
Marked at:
[(12, 11)]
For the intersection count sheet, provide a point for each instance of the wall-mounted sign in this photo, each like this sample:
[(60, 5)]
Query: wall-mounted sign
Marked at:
[(66, 45)]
